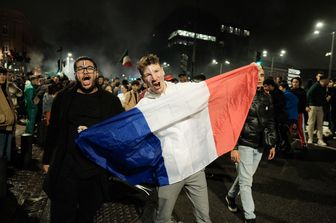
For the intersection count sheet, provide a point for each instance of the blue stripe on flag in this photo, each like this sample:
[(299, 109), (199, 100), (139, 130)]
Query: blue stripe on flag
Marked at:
[(125, 146)]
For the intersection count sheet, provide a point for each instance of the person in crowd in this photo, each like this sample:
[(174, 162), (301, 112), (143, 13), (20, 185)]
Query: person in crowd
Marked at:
[(48, 99), (108, 88), (31, 102), (14, 91), (124, 89), (56, 82), (100, 81), (316, 97), (331, 97), (106, 82), (300, 93), (183, 78), (115, 86), (279, 102), (74, 184), (291, 107), (143, 91), (132, 96), (278, 79), (258, 134), (195, 185), (7, 117)]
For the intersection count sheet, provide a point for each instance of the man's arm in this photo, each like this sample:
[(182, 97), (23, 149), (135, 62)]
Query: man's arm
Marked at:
[(52, 132)]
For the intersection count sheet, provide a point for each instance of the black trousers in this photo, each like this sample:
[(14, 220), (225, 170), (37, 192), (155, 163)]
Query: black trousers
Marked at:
[(77, 200)]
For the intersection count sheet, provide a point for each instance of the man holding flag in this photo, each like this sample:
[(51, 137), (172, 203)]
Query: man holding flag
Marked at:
[(174, 133), (195, 185)]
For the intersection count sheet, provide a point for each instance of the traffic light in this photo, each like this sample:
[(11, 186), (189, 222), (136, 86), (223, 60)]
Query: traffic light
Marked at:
[(258, 58)]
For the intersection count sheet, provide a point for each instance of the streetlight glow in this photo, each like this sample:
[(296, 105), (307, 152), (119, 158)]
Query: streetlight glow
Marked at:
[(69, 54), (319, 25), (214, 61), (227, 62), (316, 32)]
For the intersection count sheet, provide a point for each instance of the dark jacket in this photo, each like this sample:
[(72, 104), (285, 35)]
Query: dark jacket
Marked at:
[(259, 128), (56, 141), (279, 104), (316, 95), (300, 93)]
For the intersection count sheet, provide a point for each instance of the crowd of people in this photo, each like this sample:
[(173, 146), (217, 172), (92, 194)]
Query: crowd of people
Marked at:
[(77, 187)]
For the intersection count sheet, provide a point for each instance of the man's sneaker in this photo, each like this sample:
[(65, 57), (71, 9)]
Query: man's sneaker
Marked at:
[(231, 204), (310, 141), (250, 220), (321, 143)]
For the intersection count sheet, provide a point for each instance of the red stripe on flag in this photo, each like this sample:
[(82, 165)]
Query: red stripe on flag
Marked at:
[(231, 95)]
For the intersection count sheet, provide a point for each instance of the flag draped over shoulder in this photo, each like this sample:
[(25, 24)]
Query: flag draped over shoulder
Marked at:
[(177, 134)]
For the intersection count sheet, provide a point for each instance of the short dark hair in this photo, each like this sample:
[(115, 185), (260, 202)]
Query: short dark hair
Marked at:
[(283, 84), (3, 71), (298, 79), (181, 75), (84, 58), (135, 83), (269, 81)]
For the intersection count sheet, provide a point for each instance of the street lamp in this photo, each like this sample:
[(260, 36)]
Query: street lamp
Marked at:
[(316, 32), (281, 54), (214, 61), (221, 64)]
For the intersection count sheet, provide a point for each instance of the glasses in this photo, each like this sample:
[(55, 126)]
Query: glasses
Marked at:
[(89, 69)]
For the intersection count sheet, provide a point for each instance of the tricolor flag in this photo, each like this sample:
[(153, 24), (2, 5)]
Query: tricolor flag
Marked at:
[(125, 60), (177, 134)]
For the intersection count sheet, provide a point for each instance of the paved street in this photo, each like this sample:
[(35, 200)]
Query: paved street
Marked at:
[(300, 187)]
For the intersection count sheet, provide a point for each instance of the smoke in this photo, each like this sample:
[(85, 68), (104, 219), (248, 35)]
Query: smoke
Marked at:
[(36, 59)]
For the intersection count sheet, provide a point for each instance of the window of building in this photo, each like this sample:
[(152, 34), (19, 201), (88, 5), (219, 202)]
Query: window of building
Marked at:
[(246, 33), (230, 29)]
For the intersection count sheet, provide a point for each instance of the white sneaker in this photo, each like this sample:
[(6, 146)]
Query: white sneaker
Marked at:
[(310, 141), (321, 143)]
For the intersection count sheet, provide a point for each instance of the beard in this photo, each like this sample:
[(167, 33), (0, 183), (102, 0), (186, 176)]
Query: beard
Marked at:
[(86, 90)]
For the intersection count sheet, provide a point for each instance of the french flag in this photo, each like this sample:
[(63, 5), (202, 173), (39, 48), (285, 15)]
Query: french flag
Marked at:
[(176, 134)]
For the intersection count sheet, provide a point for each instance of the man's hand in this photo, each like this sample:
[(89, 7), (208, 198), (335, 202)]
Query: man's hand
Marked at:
[(308, 109), (235, 157), (45, 168), (81, 128), (328, 98), (271, 153)]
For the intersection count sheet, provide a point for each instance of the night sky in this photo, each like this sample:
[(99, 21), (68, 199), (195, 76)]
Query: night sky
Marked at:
[(105, 28)]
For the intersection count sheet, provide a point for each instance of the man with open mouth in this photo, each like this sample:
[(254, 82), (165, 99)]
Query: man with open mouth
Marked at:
[(75, 184)]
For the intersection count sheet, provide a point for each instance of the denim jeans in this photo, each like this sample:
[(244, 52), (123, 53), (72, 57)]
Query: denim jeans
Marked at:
[(5, 145), (249, 161)]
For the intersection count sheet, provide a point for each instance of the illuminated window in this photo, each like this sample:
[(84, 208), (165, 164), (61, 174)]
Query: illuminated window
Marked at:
[(246, 33), (230, 29)]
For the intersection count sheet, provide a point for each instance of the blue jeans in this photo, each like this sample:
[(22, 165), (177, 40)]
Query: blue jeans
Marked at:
[(249, 161), (5, 145)]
